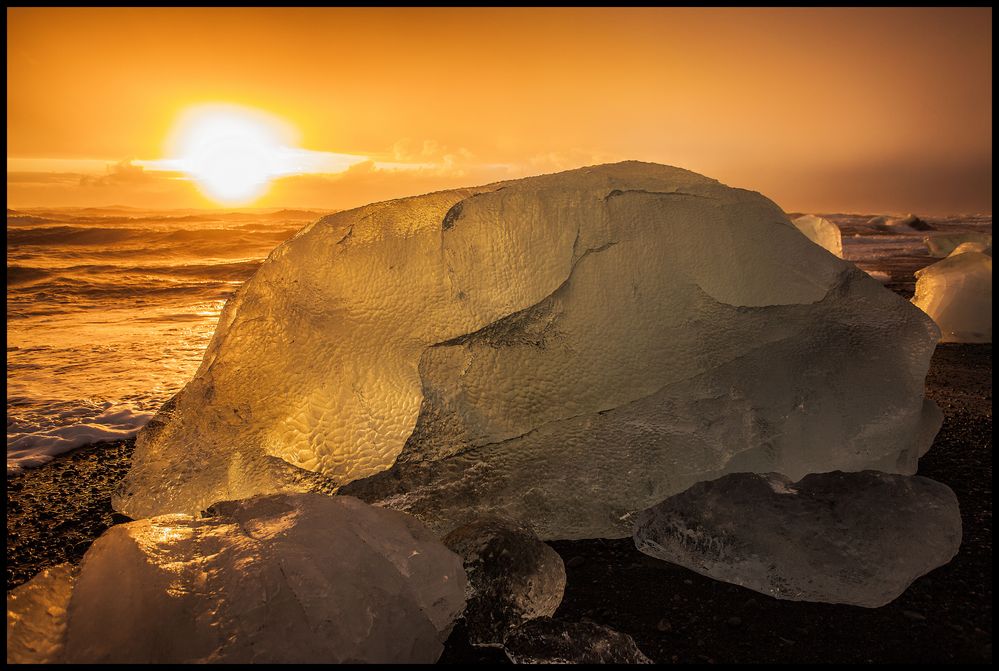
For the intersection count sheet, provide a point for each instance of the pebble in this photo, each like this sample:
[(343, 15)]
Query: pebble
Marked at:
[(575, 562)]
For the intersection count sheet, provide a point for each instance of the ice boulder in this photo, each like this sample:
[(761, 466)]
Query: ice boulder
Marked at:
[(547, 641), (36, 616), (302, 578), (821, 231), (941, 246), (957, 293), (854, 538), (513, 577), (560, 351)]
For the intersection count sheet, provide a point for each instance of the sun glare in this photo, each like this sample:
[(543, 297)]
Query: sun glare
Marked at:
[(231, 152)]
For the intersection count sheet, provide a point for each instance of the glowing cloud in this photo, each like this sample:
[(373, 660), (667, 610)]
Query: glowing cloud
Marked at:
[(233, 153)]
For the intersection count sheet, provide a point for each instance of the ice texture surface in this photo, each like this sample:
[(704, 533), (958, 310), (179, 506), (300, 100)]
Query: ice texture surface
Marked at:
[(36, 616), (561, 351), (854, 538), (957, 293), (822, 232), (512, 577), (302, 578), (547, 641)]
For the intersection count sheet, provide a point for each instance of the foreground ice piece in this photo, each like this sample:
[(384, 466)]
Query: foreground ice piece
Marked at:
[(957, 294), (512, 576), (546, 641), (855, 538), (561, 350), (36, 616), (941, 246), (822, 232), (300, 578)]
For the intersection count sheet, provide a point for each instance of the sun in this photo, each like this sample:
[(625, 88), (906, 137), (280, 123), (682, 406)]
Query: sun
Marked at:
[(232, 153)]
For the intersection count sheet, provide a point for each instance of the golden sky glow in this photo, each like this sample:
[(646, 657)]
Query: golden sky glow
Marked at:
[(820, 109)]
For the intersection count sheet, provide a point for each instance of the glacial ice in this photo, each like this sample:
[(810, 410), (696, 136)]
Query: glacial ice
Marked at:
[(36, 616), (855, 538), (821, 231), (957, 294), (941, 246), (561, 351), (547, 641), (513, 577), (301, 578)]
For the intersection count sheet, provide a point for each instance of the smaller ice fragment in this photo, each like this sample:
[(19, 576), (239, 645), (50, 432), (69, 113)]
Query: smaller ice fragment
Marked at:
[(547, 641), (822, 232), (957, 294), (855, 538), (36, 616), (513, 577)]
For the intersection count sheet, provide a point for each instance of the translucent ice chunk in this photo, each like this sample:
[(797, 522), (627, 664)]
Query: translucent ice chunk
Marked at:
[(957, 294), (822, 232), (856, 538), (560, 350), (302, 578), (36, 616)]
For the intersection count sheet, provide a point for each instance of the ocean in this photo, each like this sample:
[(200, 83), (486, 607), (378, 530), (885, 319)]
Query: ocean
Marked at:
[(109, 310)]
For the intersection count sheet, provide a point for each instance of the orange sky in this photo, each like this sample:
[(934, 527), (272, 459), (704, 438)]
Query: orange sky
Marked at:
[(862, 110)]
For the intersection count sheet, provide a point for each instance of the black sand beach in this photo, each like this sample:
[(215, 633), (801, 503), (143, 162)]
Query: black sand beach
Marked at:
[(54, 512)]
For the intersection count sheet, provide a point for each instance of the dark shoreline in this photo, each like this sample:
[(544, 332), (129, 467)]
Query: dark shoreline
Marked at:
[(55, 511)]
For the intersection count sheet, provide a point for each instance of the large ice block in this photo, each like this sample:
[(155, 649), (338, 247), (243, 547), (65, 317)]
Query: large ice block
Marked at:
[(560, 350)]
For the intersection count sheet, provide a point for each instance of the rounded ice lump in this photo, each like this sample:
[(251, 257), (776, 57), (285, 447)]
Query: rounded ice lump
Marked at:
[(957, 293), (855, 538), (561, 350), (301, 578), (513, 577)]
